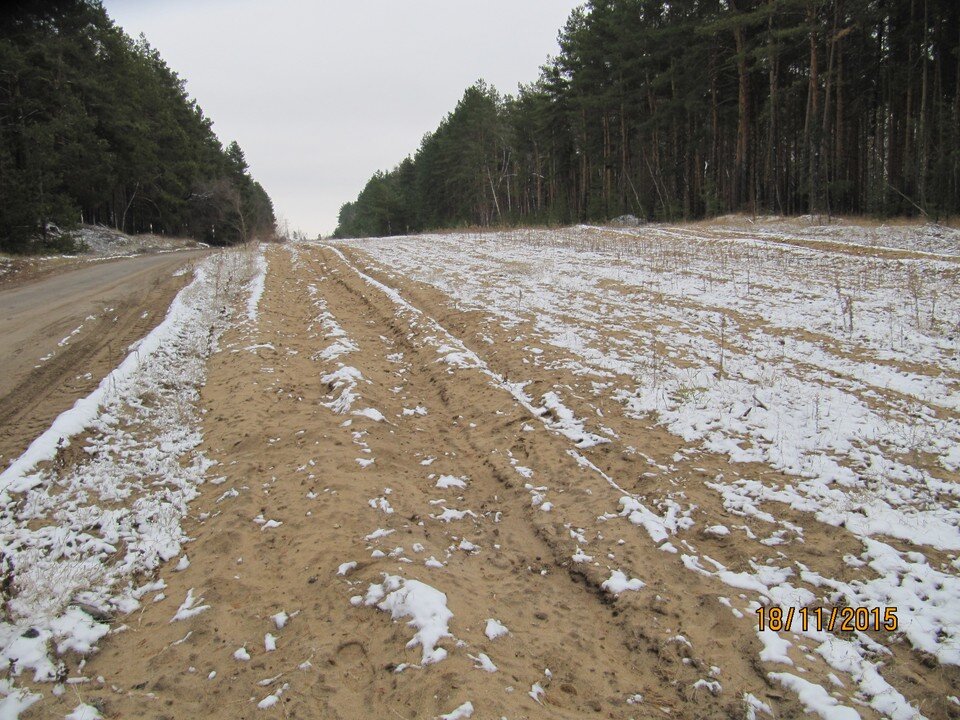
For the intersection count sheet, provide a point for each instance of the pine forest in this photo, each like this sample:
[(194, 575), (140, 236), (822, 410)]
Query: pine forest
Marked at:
[(696, 108), (95, 128)]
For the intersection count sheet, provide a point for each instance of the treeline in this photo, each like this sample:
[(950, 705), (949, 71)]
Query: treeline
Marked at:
[(95, 128), (695, 108)]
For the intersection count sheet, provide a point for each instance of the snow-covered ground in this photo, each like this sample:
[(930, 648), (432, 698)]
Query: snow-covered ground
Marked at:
[(96, 501), (815, 369), (839, 367), (104, 241), (931, 238)]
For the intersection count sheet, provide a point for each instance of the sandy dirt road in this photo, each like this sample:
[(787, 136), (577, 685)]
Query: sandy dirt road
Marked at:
[(61, 334), (422, 465)]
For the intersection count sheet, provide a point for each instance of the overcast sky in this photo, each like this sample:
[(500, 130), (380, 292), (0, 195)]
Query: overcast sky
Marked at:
[(322, 93)]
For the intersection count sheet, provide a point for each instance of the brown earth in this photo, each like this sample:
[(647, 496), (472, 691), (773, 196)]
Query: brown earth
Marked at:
[(291, 459)]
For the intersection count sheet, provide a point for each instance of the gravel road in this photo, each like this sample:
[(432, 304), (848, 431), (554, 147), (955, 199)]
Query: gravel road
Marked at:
[(60, 334)]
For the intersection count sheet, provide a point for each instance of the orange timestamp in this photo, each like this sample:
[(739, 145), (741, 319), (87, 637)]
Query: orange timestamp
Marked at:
[(837, 619)]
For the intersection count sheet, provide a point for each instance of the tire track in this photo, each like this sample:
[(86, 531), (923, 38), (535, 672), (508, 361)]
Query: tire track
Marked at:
[(675, 665)]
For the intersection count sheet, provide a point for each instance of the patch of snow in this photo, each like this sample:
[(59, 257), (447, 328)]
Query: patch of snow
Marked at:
[(483, 662), (618, 582), (774, 647), (424, 605), (580, 556), (84, 712), (448, 481), (378, 533), (15, 700), (346, 567), (370, 414), (566, 423), (752, 704), (717, 530), (189, 607), (460, 713), (256, 286), (450, 514), (815, 699), (495, 629), (280, 619), (343, 380)]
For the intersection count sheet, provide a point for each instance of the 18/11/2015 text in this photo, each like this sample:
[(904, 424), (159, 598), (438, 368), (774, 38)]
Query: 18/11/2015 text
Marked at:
[(838, 619)]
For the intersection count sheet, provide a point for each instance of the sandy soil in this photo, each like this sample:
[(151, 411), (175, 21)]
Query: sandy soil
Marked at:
[(286, 457)]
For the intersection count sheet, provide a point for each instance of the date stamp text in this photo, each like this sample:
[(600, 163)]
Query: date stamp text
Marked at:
[(837, 619)]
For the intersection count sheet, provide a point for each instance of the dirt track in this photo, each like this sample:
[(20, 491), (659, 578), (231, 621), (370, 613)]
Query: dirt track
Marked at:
[(61, 334), (286, 457)]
